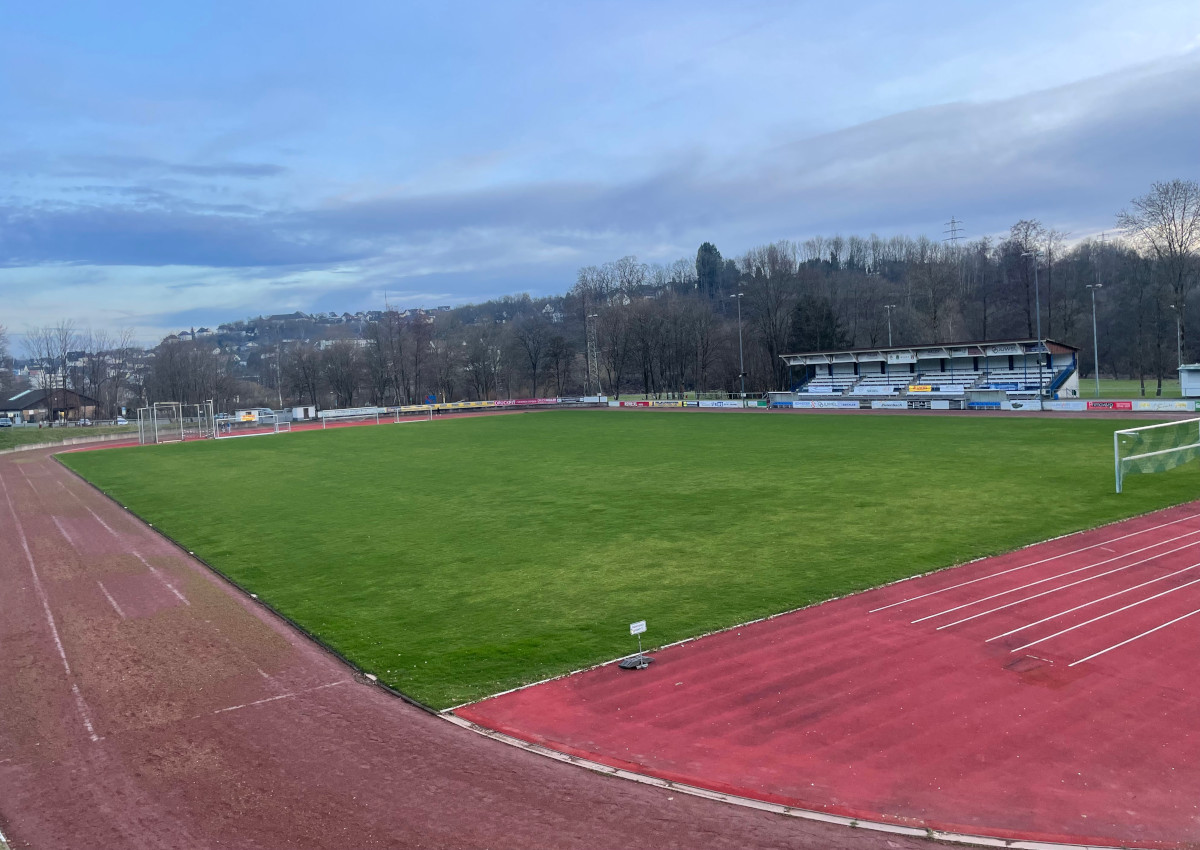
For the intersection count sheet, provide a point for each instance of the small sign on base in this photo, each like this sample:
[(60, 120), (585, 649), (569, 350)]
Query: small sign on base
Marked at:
[(639, 661)]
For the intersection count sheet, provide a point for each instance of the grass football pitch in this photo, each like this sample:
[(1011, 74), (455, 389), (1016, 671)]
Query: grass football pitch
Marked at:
[(456, 559)]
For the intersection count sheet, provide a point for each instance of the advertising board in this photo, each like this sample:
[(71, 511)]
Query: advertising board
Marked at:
[(1065, 405), (1110, 405), (841, 404), (1163, 404), (889, 405), (726, 403)]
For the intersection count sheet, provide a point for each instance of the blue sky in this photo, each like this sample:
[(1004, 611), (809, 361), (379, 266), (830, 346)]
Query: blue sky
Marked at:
[(164, 165)]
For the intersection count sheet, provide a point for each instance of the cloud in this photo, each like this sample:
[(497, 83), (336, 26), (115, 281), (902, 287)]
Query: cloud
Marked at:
[(1071, 156)]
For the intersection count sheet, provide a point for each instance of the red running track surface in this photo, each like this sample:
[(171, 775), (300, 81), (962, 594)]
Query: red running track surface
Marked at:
[(144, 703), (1049, 694)]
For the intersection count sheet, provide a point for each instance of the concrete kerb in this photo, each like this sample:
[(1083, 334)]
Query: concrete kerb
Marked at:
[(71, 441), (774, 808)]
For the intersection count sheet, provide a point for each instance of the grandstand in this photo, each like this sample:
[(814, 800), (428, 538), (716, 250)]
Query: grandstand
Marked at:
[(962, 372)]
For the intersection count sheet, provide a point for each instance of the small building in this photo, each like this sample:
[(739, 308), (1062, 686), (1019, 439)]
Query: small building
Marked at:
[(1189, 380), (52, 405)]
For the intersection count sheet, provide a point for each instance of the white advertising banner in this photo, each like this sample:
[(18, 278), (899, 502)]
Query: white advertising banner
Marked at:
[(1076, 406), (1162, 404), (728, 403), (939, 404), (889, 405), (838, 405)]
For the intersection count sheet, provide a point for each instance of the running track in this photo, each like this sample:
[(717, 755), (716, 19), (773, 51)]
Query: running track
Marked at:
[(145, 704), (1051, 693)]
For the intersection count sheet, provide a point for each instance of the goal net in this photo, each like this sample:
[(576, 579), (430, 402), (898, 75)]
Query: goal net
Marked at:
[(1155, 448), (172, 422), (161, 422)]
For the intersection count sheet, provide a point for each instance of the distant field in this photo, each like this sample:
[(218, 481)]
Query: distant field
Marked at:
[(1112, 388), (459, 558), (26, 435)]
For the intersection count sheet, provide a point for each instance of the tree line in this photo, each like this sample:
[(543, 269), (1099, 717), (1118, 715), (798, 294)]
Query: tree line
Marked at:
[(668, 329)]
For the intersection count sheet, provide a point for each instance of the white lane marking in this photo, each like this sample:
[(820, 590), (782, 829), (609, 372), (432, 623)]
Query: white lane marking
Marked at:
[(1092, 602), (1031, 564), (280, 696), (1135, 637), (161, 578), (41, 593), (1109, 614), (979, 614), (1057, 576), (63, 531), (110, 599), (155, 572)]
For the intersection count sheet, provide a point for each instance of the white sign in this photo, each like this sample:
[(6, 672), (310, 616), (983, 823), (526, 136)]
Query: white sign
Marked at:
[(890, 405), (637, 628)]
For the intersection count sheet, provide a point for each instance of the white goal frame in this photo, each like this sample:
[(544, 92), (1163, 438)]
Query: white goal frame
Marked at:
[(1167, 458)]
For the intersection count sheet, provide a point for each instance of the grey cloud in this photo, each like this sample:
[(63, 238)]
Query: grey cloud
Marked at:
[(1071, 156), (113, 167)]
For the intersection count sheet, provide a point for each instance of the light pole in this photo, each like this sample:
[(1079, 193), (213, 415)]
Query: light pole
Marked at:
[(889, 308), (741, 358), (1178, 334), (1095, 340), (1037, 306), (1037, 296)]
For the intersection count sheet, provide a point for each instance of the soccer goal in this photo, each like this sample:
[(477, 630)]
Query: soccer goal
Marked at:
[(161, 422), (1155, 448)]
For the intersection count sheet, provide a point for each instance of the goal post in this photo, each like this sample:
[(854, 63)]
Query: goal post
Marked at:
[(1155, 448)]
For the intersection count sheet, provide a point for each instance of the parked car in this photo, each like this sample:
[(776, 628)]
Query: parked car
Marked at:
[(121, 420), (5, 422), (84, 422)]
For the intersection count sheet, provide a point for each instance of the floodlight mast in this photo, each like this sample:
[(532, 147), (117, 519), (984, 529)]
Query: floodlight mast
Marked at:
[(1095, 340), (889, 308), (741, 358), (1037, 306)]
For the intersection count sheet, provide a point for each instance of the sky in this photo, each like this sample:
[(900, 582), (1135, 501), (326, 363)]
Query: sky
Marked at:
[(167, 165)]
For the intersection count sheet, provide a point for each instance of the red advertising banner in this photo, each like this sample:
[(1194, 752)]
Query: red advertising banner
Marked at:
[(1110, 405)]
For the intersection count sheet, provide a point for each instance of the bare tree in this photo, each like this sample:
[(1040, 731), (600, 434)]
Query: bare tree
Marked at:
[(341, 365), (532, 336), (1165, 223), (302, 372)]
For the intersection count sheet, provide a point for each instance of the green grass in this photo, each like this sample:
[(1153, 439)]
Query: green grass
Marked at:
[(460, 558), (25, 435), (1122, 388)]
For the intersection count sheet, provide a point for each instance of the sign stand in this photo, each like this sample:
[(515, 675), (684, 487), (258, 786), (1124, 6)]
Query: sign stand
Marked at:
[(639, 661)]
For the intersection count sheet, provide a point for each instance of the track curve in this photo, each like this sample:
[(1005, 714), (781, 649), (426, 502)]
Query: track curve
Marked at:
[(145, 703)]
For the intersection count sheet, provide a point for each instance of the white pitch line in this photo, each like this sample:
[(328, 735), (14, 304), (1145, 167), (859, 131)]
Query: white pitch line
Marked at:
[(110, 599), (41, 593), (1031, 564), (280, 696), (1135, 637), (1063, 587), (1092, 602), (1058, 576), (1109, 614)]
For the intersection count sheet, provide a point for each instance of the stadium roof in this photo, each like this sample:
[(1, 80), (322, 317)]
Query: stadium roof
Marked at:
[(981, 348)]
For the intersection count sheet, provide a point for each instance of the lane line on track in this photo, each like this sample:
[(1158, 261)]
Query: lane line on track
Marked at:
[(110, 599), (153, 570), (1135, 637), (1032, 564), (278, 697), (1059, 575), (1092, 602), (80, 704), (1075, 583), (63, 531), (1109, 614)]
